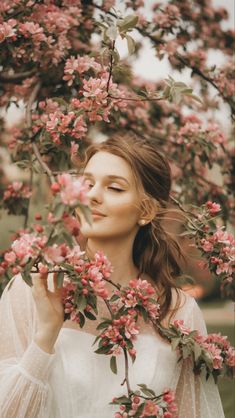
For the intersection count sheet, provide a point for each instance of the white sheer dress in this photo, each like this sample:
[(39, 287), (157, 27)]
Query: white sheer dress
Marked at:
[(74, 382)]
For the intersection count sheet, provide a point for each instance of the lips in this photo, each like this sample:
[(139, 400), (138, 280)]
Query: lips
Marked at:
[(97, 213)]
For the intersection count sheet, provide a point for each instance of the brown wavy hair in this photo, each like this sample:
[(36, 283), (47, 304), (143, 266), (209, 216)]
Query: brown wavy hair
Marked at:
[(155, 250)]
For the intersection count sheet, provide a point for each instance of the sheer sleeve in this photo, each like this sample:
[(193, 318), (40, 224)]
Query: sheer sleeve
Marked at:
[(197, 397), (24, 367)]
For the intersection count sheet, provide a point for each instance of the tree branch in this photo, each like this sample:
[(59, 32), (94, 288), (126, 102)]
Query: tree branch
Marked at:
[(111, 66), (28, 117), (194, 69), (12, 78), (126, 380)]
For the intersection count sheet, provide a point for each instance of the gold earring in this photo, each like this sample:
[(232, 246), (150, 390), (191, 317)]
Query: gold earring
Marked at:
[(142, 222)]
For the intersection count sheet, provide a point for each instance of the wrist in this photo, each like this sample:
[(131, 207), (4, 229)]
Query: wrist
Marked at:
[(46, 339)]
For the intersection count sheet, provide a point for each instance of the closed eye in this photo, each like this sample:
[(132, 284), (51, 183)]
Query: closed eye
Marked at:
[(115, 189)]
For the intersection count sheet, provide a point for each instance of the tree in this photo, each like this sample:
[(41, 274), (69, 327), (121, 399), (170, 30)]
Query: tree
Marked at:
[(60, 62), (59, 58)]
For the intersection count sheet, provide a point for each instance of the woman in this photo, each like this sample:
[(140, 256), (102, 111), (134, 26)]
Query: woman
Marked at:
[(48, 368)]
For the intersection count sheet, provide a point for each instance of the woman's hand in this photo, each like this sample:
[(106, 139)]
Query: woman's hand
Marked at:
[(50, 312)]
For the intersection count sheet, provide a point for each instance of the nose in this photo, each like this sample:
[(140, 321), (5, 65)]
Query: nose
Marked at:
[(95, 194)]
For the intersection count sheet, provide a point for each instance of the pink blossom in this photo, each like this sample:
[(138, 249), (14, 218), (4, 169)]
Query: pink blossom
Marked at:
[(73, 191), (53, 254), (230, 357), (27, 246), (206, 245), (75, 255), (96, 89), (131, 328), (150, 408), (179, 324), (7, 30), (213, 207), (72, 224), (215, 353), (10, 257), (224, 237)]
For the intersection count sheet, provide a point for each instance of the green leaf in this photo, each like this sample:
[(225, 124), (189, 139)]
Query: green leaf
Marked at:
[(130, 44), (86, 211), (148, 392), (114, 298), (27, 277), (197, 351), (112, 32), (81, 319), (174, 343), (89, 315), (122, 400), (59, 210), (60, 279), (81, 302), (128, 23), (104, 349), (113, 364), (103, 325)]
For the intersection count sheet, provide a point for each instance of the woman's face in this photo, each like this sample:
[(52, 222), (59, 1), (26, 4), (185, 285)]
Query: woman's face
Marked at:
[(114, 198)]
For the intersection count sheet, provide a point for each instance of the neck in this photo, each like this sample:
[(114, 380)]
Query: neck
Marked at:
[(119, 253)]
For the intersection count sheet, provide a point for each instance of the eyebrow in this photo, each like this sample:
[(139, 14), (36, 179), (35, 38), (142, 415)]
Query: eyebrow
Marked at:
[(111, 177)]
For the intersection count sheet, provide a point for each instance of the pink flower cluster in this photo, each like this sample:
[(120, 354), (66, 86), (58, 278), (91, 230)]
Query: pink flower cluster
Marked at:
[(45, 43), (120, 331), (194, 137), (219, 353), (164, 407), (27, 246), (213, 207), (140, 292), (16, 190), (219, 349), (77, 66), (73, 191), (91, 279), (96, 101), (221, 245), (8, 30), (59, 123), (168, 17)]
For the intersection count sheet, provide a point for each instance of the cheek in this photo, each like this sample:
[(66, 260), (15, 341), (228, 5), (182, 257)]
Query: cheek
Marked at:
[(124, 206)]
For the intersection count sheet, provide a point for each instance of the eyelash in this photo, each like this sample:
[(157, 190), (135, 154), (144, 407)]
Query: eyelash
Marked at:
[(115, 189)]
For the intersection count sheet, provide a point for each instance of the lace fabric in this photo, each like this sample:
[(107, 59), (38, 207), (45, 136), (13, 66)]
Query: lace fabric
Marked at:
[(77, 383)]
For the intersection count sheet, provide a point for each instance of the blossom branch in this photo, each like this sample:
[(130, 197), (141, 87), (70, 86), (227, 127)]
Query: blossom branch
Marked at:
[(194, 69), (30, 185), (12, 78), (126, 380), (31, 100), (111, 66)]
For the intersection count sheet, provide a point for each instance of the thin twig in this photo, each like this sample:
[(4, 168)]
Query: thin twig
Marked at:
[(28, 117), (28, 204), (110, 67), (141, 99), (109, 307), (31, 100), (12, 78), (126, 380)]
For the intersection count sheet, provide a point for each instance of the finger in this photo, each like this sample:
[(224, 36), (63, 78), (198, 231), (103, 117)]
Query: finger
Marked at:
[(39, 282), (57, 289)]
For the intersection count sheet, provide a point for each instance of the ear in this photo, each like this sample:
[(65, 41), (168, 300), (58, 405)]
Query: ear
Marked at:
[(149, 209)]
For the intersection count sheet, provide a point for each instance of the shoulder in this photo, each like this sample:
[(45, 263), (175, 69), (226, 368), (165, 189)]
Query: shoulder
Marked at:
[(186, 308)]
